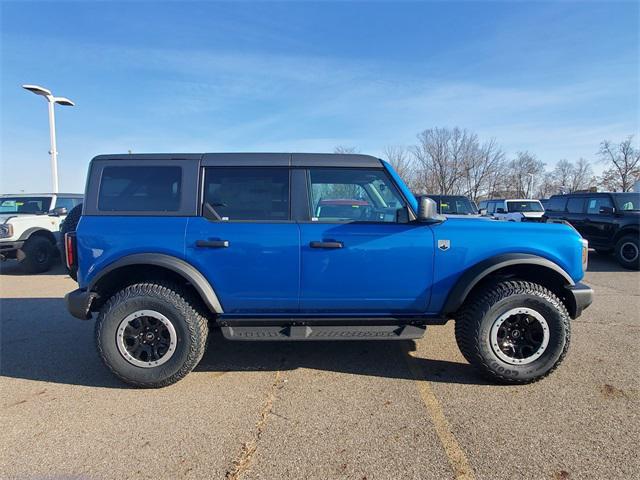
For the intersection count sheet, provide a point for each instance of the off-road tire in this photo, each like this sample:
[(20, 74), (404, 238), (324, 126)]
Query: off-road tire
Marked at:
[(169, 300), (474, 322), (38, 254), (70, 224), (626, 241)]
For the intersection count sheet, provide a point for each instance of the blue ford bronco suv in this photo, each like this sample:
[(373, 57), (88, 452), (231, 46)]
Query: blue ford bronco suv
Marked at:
[(270, 246)]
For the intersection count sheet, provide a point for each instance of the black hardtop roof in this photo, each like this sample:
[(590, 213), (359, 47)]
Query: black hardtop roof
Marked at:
[(255, 159)]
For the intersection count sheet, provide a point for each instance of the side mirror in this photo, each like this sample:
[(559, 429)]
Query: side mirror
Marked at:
[(606, 211), (500, 210), (59, 212), (428, 211), (482, 211)]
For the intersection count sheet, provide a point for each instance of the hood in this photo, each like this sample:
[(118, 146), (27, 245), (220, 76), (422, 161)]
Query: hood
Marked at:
[(532, 214), (6, 216)]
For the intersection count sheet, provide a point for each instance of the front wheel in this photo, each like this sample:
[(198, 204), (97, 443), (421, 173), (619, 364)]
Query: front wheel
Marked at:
[(39, 253), (514, 332), (149, 335)]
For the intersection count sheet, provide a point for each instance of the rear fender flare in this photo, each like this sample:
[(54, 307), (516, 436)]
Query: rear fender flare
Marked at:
[(177, 265)]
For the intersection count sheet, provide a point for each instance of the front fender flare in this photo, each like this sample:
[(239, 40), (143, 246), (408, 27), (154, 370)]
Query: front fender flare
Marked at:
[(472, 276), (177, 265)]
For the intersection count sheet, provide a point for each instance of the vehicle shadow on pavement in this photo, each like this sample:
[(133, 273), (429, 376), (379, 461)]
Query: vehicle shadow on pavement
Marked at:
[(604, 263), (388, 359), (12, 267), (42, 342)]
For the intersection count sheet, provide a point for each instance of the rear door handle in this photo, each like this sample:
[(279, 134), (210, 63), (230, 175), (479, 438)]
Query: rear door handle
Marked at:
[(329, 244), (212, 243)]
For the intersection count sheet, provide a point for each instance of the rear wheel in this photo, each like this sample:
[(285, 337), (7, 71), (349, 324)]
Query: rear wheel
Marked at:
[(149, 335), (514, 332), (628, 252), (38, 254)]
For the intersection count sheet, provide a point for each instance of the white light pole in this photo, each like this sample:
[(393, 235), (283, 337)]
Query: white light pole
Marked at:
[(51, 100)]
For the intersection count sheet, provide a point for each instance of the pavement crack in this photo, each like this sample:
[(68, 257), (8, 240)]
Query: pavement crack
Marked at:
[(242, 463)]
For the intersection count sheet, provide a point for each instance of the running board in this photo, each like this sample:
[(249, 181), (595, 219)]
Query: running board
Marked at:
[(324, 332)]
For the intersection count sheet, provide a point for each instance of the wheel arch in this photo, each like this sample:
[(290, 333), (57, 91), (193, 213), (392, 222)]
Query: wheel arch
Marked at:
[(147, 266), (38, 232), (523, 266), (628, 230)]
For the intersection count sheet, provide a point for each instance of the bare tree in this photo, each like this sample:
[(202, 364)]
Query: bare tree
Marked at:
[(439, 156), (548, 185), (345, 149), (563, 173), (624, 162), (481, 167), (581, 175), (523, 175), (398, 157)]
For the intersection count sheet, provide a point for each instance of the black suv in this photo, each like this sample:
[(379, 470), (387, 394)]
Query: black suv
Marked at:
[(609, 221)]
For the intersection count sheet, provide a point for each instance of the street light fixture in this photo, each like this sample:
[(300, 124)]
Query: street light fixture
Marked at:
[(51, 101)]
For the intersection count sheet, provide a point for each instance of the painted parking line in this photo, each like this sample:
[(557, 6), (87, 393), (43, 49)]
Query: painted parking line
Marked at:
[(455, 454)]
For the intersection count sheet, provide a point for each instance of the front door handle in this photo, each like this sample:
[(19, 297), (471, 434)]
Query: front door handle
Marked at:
[(212, 243), (329, 244)]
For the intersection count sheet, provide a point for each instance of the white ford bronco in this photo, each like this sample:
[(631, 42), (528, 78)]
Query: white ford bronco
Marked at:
[(30, 226)]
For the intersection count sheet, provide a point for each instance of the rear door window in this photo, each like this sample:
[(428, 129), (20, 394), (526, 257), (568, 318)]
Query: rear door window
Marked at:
[(247, 194), (575, 205), (140, 189)]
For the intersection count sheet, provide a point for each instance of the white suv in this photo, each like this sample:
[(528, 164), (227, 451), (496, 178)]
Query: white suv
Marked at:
[(516, 210), (30, 226)]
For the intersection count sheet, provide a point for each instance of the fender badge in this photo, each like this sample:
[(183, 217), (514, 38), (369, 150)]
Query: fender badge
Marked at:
[(444, 245)]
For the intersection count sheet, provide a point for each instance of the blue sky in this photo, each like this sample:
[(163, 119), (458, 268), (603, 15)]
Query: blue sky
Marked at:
[(554, 78)]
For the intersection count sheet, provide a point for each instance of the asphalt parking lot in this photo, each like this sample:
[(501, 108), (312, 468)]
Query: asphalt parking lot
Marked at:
[(357, 410)]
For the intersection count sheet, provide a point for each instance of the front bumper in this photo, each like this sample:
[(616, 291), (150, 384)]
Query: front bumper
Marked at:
[(79, 303), (9, 249), (581, 296)]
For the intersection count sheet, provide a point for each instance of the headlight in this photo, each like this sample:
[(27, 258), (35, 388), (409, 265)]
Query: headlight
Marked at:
[(6, 230), (585, 254)]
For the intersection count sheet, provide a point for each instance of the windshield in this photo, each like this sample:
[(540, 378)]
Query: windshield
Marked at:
[(37, 205), (455, 206), (627, 201), (525, 206)]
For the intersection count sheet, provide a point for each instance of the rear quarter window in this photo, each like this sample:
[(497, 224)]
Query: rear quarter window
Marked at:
[(556, 204), (140, 189)]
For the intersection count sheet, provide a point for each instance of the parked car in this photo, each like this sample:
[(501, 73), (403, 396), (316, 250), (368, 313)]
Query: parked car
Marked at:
[(29, 227), (169, 246), (609, 221), (454, 205), (515, 210), (343, 208)]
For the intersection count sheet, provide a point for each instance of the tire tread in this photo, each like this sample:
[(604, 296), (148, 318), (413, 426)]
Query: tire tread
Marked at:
[(469, 319), (197, 327)]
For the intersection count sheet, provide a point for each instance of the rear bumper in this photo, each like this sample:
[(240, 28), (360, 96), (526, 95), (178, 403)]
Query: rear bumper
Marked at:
[(581, 296), (79, 303)]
